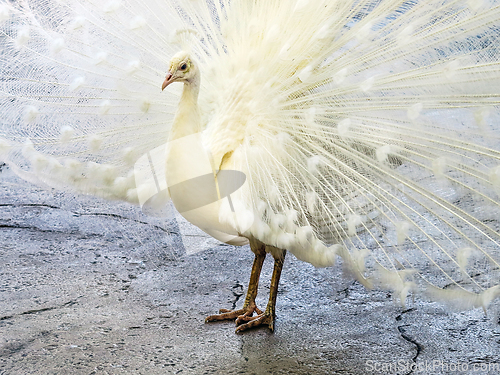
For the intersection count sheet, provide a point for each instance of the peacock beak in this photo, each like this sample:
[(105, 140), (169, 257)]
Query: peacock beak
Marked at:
[(168, 81)]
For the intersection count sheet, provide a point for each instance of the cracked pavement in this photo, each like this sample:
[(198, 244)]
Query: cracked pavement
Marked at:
[(94, 288)]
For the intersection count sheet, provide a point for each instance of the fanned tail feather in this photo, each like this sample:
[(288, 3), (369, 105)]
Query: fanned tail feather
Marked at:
[(367, 130)]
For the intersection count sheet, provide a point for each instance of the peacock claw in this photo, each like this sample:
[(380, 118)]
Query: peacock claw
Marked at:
[(254, 321), (225, 314)]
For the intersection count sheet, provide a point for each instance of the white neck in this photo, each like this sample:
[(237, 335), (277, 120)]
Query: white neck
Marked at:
[(187, 120)]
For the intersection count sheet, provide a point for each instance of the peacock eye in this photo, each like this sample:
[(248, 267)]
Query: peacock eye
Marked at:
[(183, 66)]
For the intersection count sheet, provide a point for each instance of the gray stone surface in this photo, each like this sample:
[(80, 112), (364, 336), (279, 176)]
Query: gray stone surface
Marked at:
[(94, 288)]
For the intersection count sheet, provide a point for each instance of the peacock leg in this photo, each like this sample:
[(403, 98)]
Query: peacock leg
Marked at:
[(267, 317), (249, 306)]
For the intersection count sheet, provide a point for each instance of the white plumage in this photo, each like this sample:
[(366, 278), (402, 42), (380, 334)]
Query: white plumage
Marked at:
[(363, 129)]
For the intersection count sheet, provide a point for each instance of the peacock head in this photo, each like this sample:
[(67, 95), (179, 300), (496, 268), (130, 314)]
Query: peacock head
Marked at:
[(182, 69)]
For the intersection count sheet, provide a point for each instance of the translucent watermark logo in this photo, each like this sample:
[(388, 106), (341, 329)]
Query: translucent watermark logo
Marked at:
[(182, 171), (438, 366)]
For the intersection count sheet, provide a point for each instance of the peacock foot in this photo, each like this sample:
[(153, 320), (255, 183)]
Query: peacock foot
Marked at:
[(225, 314), (246, 322)]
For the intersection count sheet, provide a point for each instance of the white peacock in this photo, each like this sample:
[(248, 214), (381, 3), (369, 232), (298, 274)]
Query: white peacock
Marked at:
[(365, 130)]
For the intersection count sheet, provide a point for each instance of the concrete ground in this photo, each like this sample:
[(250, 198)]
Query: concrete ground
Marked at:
[(93, 288)]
